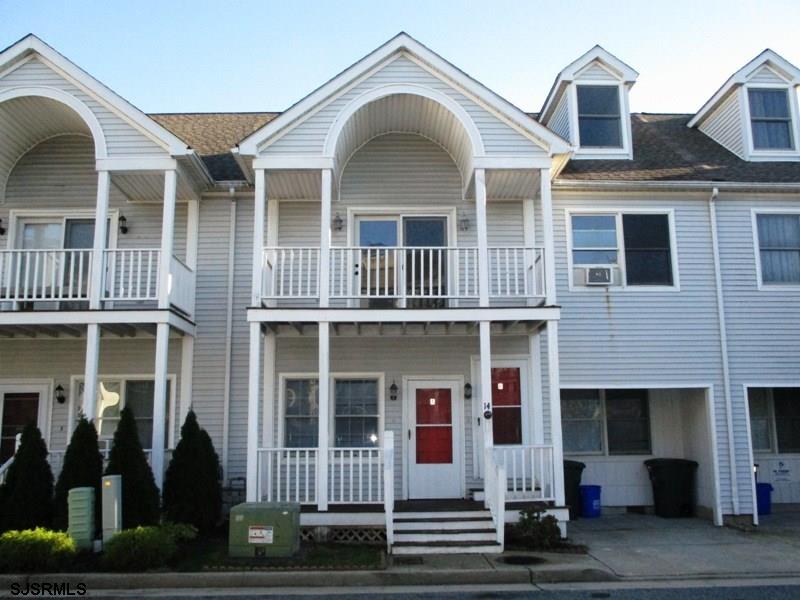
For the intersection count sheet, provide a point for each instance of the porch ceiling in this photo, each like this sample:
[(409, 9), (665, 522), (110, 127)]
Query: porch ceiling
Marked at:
[(76, 331), (404, 329)]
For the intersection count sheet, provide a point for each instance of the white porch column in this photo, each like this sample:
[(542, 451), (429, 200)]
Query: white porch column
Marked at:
[(192, 233), (268, 417), (546, 200), (537, 397), (325, 239), (483, 237), (486, 381), (167, 236), (254, 394), (90, 372), (160, 403), (258, 236), (555, 410), (99, 243), (273, 218), (324, 412), (187, 372)]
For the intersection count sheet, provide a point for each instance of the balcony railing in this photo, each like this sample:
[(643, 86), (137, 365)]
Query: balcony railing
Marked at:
[(130, 276), (403, 273)]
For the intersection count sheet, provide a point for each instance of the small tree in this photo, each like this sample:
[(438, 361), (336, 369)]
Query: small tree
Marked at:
[(192, 489), (140, 501), (27, 495), (83, 467)]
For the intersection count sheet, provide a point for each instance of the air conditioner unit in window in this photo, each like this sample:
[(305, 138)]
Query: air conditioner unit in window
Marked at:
[(598, 276)]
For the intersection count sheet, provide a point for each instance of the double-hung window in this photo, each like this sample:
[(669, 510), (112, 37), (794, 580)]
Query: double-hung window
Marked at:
[(605, 422), (779, 248), (635, 246), (775, 419), (355, 412), (770, 119), (116, 393), (599, 122)]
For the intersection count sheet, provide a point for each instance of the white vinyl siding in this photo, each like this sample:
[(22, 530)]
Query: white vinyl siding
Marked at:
[(559, 122), (724, 125), (309, 136)]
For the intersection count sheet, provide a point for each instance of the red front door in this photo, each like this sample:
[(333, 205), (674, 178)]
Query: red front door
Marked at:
[(506, 406), (434, 465)]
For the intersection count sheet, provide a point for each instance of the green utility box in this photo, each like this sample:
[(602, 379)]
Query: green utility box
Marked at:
[(80, 516), (264, 529)]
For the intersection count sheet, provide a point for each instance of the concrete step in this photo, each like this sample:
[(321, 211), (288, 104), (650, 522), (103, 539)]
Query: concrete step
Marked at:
[(440, 514), (459, 547), (453, 524), (446, 535)]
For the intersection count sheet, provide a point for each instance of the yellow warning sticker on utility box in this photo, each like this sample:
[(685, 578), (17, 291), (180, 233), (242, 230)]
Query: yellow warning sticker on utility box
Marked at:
[(260, 534)]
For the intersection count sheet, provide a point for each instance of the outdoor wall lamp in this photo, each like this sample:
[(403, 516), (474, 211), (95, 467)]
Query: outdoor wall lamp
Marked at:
[(463, 222), (393, 389), (61, 397), (468, 391), (2, 229), (123, 225), (337, 223)]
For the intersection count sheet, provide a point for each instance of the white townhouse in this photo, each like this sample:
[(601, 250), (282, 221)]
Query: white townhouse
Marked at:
[(403, 301)]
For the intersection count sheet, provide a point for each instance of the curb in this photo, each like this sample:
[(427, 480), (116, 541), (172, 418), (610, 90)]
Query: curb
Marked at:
[(131, 581)]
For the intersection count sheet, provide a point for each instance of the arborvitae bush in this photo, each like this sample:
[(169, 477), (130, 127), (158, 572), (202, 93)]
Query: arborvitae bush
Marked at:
[(83, 467), (192, 488), (140, 500), (26, 498)]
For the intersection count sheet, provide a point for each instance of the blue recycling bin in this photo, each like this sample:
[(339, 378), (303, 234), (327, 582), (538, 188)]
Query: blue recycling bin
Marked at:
[(764, 498), (590, 501)]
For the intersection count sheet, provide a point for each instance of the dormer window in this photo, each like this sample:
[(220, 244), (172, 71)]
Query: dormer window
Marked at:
[(599, 123), (770, 119)]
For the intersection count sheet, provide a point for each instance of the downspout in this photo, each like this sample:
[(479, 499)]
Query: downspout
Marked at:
[(723, 342), (226, 393)]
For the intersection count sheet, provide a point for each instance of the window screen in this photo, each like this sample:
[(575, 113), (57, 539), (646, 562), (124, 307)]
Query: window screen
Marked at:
[(779, 248), (301, 413), (647, 249), (599, 116), (581, 421), (357, 413), (628, 422), (770, 119)]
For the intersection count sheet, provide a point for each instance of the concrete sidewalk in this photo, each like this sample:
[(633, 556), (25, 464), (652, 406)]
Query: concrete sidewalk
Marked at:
[(647, 547)]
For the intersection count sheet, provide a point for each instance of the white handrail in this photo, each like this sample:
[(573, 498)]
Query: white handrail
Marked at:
[(291, 272), (388, 486), (495, 493), (45, 275), (131, 274)]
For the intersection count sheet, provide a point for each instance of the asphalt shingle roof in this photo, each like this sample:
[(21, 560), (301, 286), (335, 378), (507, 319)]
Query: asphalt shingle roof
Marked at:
[(664, 149)]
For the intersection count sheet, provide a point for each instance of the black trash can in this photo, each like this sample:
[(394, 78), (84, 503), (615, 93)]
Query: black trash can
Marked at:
[(673, 482), (573, 470)]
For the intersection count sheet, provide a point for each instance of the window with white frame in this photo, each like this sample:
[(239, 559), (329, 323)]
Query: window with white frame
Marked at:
[(605, 422), (356, 412), (136, 393), (635, 246), (779, 248), (599, 121), (770, 119), (775, 419)]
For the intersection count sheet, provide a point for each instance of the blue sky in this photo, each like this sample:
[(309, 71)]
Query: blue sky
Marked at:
[(202, 55)]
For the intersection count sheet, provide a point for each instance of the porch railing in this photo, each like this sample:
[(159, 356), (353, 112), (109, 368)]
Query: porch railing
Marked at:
[(45, 275), (56, 458), (388, 486), (181, 286), (529, 471), (131, 274), (403, 273), (355, 475), (287, 475)]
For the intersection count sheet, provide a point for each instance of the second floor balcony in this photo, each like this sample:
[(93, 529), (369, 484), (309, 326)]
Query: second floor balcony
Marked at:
[(403, 276), (60, 279)]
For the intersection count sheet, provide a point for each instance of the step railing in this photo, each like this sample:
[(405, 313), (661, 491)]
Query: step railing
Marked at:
[(529, 471), (495, 493), (355, 475), (388, 487), (45, 275)]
